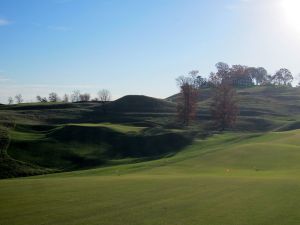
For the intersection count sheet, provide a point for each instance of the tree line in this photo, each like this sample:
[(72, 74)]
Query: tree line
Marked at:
[(76, 96), (242, 76)]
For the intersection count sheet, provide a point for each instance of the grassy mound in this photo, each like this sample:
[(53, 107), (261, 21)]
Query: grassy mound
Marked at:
[(140, 103), (120, 144), (79, 146), (13, 168)]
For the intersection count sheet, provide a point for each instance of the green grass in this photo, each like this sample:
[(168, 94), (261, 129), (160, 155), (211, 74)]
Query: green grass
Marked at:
[(117, 127), (246, 178), (86, 145), (232, 178)]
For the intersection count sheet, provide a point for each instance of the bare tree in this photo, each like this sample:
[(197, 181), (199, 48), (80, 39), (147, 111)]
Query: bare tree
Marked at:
[(10, 100), (104, 97), (214, 80), (53, 97), (19, 98), (187, 100), (85, 97), (224, 107), (75, 96), (66, 98)]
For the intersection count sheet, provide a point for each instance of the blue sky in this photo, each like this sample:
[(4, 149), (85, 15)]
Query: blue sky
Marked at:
[(134, 46)]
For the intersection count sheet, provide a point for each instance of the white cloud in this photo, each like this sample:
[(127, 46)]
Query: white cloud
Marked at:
[(4, 22)]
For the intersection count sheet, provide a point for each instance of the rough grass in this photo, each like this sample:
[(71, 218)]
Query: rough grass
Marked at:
[(117, 127), (226, 179), (80, 146), (10, 167)]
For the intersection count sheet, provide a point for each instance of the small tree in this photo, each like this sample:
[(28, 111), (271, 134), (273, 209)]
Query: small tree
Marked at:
[(66, 98), (75, 96), (214, 80), (41, 99), (19, 98), (187, 100), (224, 107), (104, 96), (53, 97), (10, 100)]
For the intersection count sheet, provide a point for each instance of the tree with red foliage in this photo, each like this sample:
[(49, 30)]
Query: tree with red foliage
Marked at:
[(224, 107), (187, 100)]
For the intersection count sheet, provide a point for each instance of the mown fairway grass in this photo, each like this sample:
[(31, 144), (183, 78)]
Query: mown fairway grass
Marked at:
[(226, 179)]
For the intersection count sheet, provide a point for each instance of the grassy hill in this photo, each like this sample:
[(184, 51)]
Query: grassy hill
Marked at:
[(141, 104), (225, 179), (261, 108), (73, 136), (132, 164), (10, 167)]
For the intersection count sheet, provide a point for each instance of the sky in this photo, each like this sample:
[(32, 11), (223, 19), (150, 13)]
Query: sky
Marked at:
[(138, 47)]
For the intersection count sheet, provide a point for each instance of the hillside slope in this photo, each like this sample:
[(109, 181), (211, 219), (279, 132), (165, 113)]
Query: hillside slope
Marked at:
[(262, 108), (50, 135), (141, 103), (245, 179)]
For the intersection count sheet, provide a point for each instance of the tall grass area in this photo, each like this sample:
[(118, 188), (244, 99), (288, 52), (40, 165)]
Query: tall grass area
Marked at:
[(246, 178)]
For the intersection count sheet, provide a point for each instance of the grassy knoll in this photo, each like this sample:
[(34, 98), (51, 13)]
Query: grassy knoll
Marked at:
[(10, 167), (87, 145), (246, 178)]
